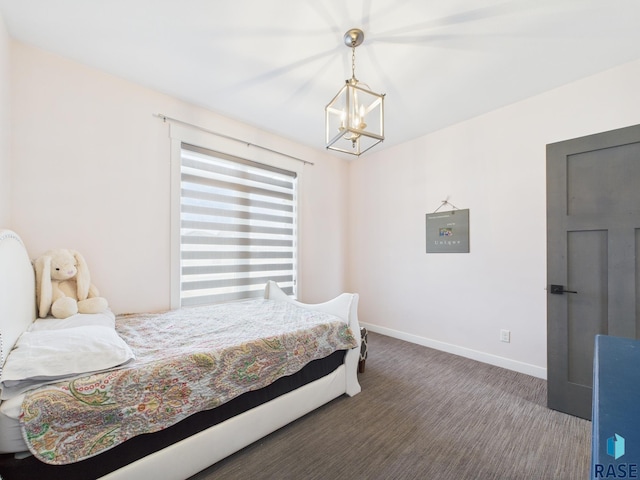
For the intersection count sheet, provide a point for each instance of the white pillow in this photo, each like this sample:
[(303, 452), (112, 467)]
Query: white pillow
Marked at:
[(50, 355), (105, 319)]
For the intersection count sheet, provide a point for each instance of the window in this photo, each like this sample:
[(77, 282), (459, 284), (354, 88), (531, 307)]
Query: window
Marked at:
[(238, 227)]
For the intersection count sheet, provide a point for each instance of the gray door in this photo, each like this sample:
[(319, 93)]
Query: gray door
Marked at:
[(593, 248)]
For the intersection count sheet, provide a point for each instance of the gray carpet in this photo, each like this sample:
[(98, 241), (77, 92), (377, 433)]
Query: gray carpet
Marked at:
[(423, 414)]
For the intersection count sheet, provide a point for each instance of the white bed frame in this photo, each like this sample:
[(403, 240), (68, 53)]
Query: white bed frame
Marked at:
[(191, 455)]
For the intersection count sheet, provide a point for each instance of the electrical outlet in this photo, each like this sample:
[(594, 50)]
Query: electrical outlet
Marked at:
[(505, 336)]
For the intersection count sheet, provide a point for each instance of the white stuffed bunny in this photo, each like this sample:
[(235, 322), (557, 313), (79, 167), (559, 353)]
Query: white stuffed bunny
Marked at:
[(63, 285)]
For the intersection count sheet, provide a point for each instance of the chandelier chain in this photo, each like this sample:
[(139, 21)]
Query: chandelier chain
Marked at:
[(353, 61)]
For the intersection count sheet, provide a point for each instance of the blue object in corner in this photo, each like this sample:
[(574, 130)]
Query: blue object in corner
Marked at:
[(615, 448)]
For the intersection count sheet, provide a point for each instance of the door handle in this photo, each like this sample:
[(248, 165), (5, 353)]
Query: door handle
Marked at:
[(559, 290)]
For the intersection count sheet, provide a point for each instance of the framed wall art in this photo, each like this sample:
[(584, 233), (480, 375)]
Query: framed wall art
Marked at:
[(448, 232)]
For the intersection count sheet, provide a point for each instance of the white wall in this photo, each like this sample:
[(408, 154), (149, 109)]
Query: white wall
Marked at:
[(495, 166), (91, 171), (5, 170)]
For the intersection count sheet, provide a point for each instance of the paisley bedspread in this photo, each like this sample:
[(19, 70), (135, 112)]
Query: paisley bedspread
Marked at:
[(187, 360)]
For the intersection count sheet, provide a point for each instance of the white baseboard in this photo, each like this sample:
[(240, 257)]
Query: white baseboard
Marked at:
[(496, 360)]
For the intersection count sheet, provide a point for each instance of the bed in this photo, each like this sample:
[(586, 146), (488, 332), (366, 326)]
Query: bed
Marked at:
[(200, 438)]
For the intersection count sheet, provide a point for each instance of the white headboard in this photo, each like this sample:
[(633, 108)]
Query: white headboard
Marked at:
[(17, 291)]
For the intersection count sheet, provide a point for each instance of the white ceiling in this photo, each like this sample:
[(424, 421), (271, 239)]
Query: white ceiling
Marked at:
[(275, 64)]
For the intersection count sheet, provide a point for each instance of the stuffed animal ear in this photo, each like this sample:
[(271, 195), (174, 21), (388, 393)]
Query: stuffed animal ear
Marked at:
[(44, 290), (83, 279)]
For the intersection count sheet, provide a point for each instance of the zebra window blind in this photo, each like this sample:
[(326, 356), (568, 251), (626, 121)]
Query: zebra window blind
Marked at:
[(238, 227)]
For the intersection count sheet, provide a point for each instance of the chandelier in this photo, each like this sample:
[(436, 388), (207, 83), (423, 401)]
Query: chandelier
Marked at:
[(355, 116)]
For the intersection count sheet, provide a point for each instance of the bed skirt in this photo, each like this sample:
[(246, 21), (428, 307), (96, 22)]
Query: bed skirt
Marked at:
[(143, 445)]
